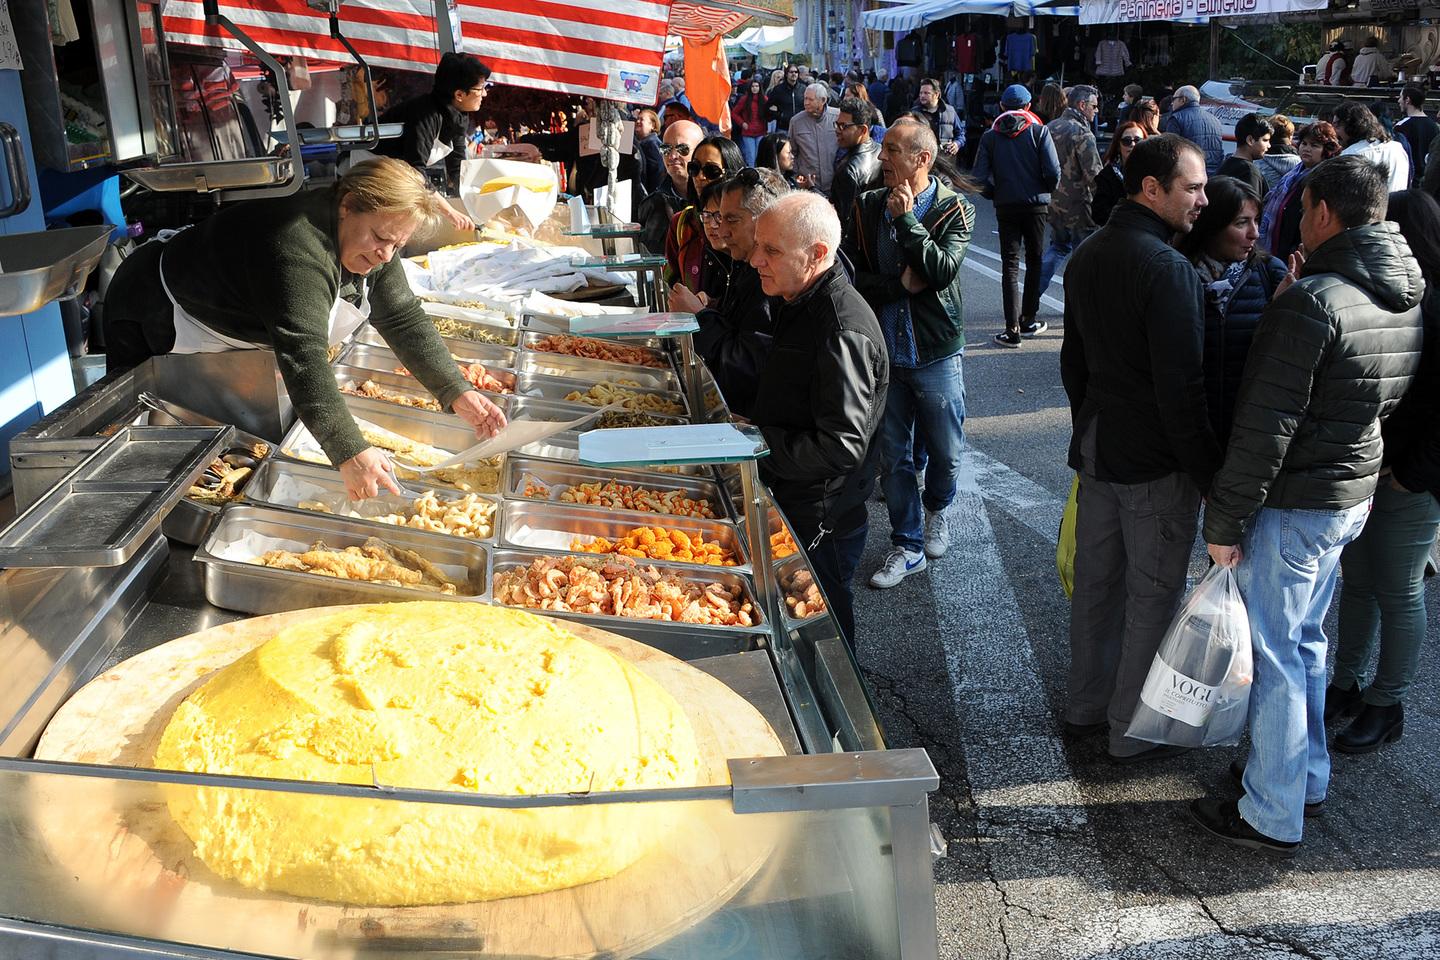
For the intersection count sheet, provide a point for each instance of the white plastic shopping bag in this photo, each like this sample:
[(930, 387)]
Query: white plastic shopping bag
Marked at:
[(1197, 693)]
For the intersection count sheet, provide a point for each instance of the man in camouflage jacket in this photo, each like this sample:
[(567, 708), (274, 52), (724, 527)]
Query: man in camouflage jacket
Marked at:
[(1079, 166)]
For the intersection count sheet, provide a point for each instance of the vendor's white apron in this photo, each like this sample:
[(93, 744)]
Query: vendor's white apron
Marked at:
[(192, 336)]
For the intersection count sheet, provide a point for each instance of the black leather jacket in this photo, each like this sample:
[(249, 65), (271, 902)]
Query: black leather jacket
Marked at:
[(426, 120), (859, 172), (734, 337), (819, 397), (1331, 359)]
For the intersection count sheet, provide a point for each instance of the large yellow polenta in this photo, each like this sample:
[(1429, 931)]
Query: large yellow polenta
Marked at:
[(444, 696)]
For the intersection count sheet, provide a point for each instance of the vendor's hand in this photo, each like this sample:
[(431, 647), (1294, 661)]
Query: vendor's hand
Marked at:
[(457, 219), (487, 419), (367, 473), (1224, 556), (912, 281), (901, 201), (683, 299)]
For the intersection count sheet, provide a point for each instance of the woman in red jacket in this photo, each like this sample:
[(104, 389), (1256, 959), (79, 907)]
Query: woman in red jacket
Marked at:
[(750, 120)]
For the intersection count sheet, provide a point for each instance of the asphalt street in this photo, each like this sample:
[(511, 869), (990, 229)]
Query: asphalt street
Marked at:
[(1053, 852)]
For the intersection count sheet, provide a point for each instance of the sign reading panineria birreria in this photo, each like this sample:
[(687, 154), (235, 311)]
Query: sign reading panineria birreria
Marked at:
[(1144, 11)]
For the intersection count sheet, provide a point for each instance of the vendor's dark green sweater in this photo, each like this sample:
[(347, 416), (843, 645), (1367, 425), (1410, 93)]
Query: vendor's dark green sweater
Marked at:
[(268, 272)]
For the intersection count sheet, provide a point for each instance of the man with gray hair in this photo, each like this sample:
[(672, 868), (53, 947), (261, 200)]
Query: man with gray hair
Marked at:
[(907, 244), (735, 333), (1198, 125), (821, 393), (812, 138)]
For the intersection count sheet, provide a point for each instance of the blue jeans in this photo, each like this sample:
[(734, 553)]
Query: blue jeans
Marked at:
[(927, 401), (748, 149), (1289, 559), (1063, 242)]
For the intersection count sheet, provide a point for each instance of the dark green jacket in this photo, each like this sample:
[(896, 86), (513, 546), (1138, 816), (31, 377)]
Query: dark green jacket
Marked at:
[(1332, 358), (268, 272), (935, 248)]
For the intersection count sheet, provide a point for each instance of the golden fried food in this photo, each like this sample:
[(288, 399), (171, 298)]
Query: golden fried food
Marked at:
[(658, 543), (374, 562), (460, 330), (468, 516), (374, 391), (480, 477), (782, 544), (226, 475), (622, 496), (802, 595), (620, 587), (599, 350), (607, 392)]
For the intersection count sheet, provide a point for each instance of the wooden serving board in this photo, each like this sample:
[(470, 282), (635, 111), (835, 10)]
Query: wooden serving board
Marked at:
[(137, 869)]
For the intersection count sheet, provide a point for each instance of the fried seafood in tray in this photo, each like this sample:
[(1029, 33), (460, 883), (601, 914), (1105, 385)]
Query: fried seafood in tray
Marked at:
[(621, 587), (483, 476), (477, 376), (470, 516), (615, 495), (802, 595), (607, 392), (598, 350), (373, 562), (374, 391), (226, 475)]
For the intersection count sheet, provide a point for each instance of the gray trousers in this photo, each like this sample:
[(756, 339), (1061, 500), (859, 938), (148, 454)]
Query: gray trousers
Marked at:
[(1132, 550)]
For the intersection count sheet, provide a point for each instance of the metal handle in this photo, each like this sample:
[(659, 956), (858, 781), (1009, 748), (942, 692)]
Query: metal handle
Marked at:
[(282, 87), (19, 173), (372, 139)]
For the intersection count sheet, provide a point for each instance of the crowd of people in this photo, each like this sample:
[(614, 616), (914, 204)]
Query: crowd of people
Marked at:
[(1269, 349)]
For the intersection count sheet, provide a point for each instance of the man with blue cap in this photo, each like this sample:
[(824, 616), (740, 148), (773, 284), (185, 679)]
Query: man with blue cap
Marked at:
[(1017, 166)]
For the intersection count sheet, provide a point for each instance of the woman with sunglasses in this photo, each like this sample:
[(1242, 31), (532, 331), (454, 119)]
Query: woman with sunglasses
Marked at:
[(1110, 185), (714, 159), (715, 266)]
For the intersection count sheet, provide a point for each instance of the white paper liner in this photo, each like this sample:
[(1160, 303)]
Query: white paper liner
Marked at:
[(247, 546)]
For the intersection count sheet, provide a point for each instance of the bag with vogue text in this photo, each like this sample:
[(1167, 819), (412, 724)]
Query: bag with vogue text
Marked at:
[(1197, 693)]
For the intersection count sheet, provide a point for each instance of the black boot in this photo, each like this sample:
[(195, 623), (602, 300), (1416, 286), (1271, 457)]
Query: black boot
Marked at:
[(1372, 729), (1340, 704)]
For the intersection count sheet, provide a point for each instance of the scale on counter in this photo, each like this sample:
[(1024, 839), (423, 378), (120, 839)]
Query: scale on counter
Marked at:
[(686, 444)]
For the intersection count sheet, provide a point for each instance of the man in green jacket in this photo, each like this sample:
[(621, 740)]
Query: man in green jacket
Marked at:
[(908, 242)]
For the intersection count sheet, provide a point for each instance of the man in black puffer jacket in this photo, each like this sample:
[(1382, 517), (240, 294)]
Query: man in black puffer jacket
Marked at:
[(1334, 354), (821, 393)]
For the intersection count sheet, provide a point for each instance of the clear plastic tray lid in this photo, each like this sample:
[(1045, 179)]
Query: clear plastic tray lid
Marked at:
[(681, 444), (643, 326)]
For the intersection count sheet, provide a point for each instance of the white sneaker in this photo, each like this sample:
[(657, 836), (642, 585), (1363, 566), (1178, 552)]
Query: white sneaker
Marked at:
[(937, 534), (898, 565)]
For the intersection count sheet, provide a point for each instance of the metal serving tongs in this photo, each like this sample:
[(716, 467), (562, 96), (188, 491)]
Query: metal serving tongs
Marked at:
[(516, 435)]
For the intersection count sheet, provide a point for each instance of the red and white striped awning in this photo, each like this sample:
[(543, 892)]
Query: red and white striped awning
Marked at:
[(611, 49), (388, 33)]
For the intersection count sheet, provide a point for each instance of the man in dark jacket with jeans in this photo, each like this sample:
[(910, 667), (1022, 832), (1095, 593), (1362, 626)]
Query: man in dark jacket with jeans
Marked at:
[(1198, 125), (821, 393), (1141, 442), (1018, 167), (908, 242), (1333, 356)]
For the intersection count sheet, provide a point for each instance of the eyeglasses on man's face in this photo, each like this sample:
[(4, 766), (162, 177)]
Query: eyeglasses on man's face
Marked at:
[(842, 127), (710, 217)]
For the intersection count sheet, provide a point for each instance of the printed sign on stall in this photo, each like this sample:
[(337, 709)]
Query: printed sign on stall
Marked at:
[(1138, 11)]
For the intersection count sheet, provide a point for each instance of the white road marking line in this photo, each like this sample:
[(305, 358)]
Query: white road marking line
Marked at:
[(1045, 298), (1022, 498), (1057, 280)]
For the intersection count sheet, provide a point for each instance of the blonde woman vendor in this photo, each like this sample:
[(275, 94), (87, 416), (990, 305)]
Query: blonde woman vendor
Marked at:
[(299, 275)]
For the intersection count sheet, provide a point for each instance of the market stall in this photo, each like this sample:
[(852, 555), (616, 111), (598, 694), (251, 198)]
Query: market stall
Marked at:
[(801, 836)]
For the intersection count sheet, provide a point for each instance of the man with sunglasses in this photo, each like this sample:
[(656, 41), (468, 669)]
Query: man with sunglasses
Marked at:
[(434, 124), (656, 210), (735, 334), (787, 99), (858, 169)]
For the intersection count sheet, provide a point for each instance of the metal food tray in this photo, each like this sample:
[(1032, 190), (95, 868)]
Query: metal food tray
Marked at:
[(497, 360), (284, 484), (237, 584), (442, 431), (46, 265), (646, 345), (583, 368), (210, 175), (101, 513), (551, 527), (402, 384), (508, 558), (497, 324), (369, 336), (784, 567), (190, 521), (556, 475), (553, 388), (480, 314)]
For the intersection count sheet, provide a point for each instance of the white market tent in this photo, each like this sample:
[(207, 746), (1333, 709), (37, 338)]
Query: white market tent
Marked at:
[(764, 41), (913, 16)]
